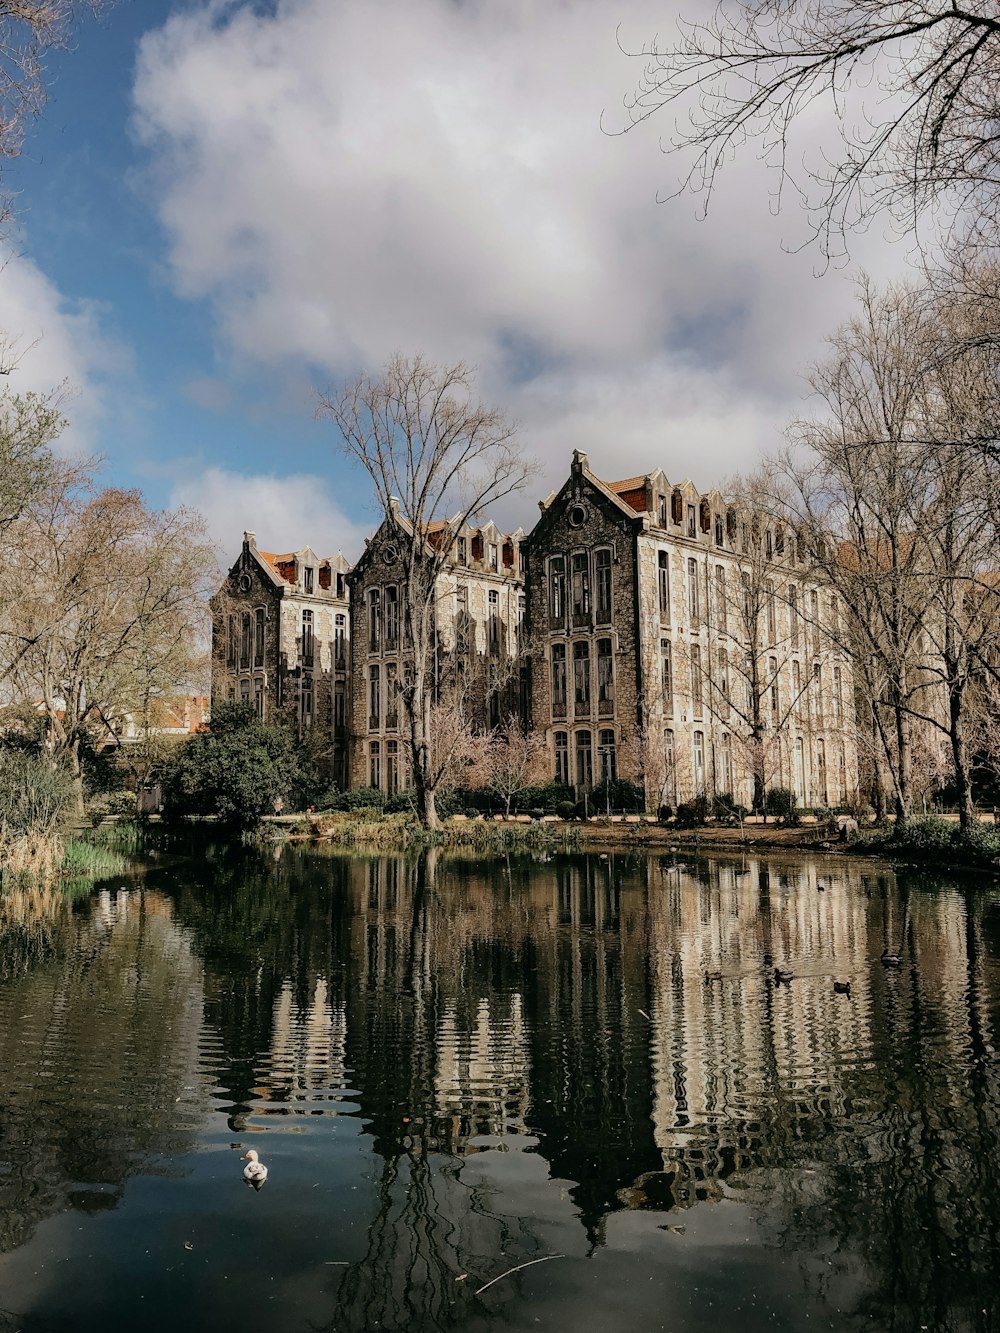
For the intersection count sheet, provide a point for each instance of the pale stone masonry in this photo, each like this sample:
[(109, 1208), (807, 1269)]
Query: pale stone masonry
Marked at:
[(281, 641), (641, 597), (479, 608), (641, 627)]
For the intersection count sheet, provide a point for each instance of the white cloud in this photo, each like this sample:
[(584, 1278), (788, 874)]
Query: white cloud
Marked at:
[(343, 181), (287, 512), (56, 341)]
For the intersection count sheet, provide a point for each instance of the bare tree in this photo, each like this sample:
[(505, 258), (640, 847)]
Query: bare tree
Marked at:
[(102, 608), (435, 456), (29, 423), (898, 514), (516, 759), (913, 86)]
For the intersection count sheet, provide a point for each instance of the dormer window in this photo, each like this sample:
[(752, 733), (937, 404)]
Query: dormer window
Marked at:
[(677, 507), (692, 528), (463, 551), (494, 562), (663, 511), (307, 579)]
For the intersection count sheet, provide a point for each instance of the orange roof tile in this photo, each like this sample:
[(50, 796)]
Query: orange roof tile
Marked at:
[(629, 484)]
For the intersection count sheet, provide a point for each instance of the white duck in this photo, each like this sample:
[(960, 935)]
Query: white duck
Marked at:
[(255, 1172)]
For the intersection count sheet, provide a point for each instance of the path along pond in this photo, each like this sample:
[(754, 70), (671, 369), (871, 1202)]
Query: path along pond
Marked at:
[(455, 1066)]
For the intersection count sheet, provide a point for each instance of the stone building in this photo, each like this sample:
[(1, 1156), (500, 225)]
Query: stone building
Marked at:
[(681, 637), (480, 602), (281, 640)]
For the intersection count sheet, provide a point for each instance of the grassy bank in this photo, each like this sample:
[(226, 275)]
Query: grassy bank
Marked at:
[(376, 829), (934, 842)]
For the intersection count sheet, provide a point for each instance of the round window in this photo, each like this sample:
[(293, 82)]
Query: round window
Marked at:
[(577, 516), (246, 582), (390, 555)]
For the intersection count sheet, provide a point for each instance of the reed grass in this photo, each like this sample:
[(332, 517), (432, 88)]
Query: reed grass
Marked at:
[(82, 859)]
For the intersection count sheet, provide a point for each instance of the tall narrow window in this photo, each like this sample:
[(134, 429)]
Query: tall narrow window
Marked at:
[(307, 700), (720, 531), (725, 783), (340, 641), (796, 685), (605, 679), (602, 565), (772, 671), (814, 616), (800, 771), (494, 564), (581, 676), (463, 625), (699, 761), (562, 757), (557, 591), (374, 699), (494, 621), (817, 691), (584, 761), (558, 680), (721, 610), (835, 613), (693, 601), (769, 544), (663, 511), (258, 638), (692, 522), (246, 632), (609, 759), (374, 619), (824, 794), (375, 765), (793, 613), (667, 678), (772, 620), (463, 551), (307, 579), (581, 587), (697, 681), (663, 584), (308, 639), (391, 695), (340, 705), (391, 616), (258, 696), (722, 686), (669, 770), (838, 695), (392, 767), (232, 648), (749, 610)]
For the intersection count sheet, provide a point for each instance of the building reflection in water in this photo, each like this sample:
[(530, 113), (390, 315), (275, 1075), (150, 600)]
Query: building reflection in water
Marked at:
[(536, 1048)]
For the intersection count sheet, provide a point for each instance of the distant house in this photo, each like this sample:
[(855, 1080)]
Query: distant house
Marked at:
[(281, 641)]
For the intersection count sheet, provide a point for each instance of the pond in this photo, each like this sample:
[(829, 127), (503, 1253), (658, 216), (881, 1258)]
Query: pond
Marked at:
[(454, 1068)]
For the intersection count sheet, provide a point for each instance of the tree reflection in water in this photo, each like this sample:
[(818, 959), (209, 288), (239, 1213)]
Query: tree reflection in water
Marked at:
[(560, 1009)]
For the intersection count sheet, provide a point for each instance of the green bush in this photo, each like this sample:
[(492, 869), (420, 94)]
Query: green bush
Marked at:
[(981, 841), (618, 795), (780, 802), (234, 771), (35, 797), (546, 800), (359, 798), (692, 814), (566, 809), (725, 807)]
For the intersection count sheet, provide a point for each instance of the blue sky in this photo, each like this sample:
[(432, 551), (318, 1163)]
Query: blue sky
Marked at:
[(226, 205)]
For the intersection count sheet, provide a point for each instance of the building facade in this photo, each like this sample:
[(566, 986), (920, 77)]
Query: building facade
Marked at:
[(647, 630), (479, 606), (681, 639), (281, 640)]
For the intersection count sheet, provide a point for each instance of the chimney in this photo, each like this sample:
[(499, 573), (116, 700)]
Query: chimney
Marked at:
[(250, 539), (579, 461)]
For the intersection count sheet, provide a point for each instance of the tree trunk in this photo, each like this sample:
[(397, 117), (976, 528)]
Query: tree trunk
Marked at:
[(960, 757)]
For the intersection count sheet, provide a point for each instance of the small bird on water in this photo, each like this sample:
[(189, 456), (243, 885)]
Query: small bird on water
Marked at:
[(255, 1172), (842, 988), (782, 975)]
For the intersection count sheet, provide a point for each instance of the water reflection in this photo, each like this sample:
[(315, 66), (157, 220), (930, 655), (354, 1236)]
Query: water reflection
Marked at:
[(568, 1055)]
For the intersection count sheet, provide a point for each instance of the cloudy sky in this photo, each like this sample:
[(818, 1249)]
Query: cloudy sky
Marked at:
[(228, 205)]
